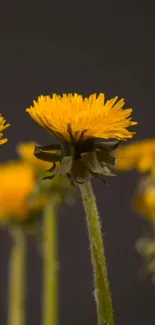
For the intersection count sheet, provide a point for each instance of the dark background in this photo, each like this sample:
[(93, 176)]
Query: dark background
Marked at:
[(84, 47)]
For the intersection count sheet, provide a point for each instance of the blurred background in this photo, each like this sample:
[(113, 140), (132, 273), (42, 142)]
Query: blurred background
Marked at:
[(83, 47)]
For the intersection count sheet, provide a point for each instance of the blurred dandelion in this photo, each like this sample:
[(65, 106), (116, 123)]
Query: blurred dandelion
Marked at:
[(23, 196), (144, 198), (17, 183), (144, 204), (16, 212), (55, 194), (82, 126), (139, 155), (3, 127)]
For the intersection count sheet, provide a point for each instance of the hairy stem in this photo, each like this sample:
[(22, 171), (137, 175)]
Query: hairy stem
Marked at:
[(101, 284)]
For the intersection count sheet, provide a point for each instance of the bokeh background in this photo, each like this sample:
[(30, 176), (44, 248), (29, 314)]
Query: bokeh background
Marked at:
[(65, 46)]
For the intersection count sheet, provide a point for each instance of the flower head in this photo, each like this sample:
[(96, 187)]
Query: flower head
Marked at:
[(144, 199), (88, 117), (139, 155), (81, 124), (17, 183), (3, 127)]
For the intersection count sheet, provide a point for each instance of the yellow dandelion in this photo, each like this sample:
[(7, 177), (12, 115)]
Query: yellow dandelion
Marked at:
[(17, 183), (139, 155), (144, 199), (81, 124), (95, 116), (3, 127)]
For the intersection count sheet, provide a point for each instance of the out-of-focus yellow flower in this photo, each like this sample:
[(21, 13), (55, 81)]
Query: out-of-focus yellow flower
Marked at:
[(26, 152), (139, 155), (81, 124), (144, 199), (3, 127), (17, 184), (93, 115)]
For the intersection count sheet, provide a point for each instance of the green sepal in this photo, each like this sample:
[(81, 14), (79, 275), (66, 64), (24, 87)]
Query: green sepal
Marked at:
[(48, 177), (45, 153), (91, 162), (95, 166), (107, 171), (108, 145), (100, 177), (52, 168), (79, 171), (49, 147), (65, 165), (105, 157)]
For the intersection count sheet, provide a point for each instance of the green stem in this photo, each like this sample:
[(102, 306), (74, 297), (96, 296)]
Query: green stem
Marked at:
[(50, 267), (102, 292), (16, 299)]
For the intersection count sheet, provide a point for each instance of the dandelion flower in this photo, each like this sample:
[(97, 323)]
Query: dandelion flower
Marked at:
[(3, 127), (144, 199), (139, 155), (17, 183), (82, 125)]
